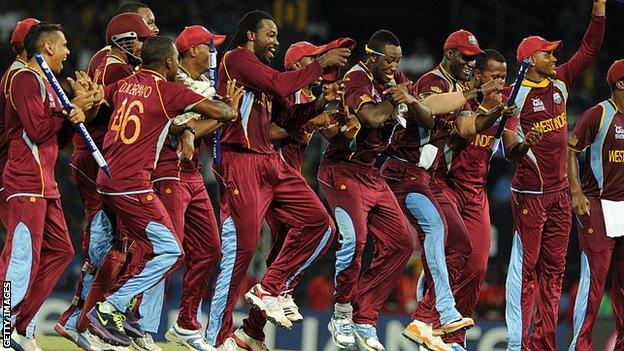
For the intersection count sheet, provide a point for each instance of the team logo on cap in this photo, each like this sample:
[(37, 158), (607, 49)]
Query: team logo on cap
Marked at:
[(557, 98), (619, 132), (538, 105), (472, 40)]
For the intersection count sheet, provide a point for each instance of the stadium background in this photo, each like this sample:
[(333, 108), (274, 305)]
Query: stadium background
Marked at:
[(422, 27)]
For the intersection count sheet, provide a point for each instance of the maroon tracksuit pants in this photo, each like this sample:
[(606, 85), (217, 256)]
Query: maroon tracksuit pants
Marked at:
[(250, 184), (362, 202)]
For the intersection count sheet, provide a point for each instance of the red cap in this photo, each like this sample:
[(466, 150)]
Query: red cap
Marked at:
[(465, 42), (533, 44), (616, 71), (302, 49), (128, 24), (19, 33), (196, 35)]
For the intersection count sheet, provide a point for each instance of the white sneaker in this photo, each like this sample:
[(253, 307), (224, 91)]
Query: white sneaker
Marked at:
[(86, 340), (246, 342), (457, 347), (191, 339), (341, 329), (269, 305), (366, 337), (22, 343), (146, 343), (229, 345), (421, 333), (291, 310)]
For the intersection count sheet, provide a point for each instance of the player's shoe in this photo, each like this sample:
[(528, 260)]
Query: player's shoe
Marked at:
[(131, 325), (246, 342), (457, 347), (22, 343), (191, 339), (454, 326), (291, 310), (145, 343), (86, 340), (229, 345), (341, 329), (422, 333), (108, 323), (269, 305), (366, 337)]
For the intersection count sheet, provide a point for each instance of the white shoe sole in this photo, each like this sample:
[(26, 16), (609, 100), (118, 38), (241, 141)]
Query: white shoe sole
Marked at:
[(174, 338), (362, 343), (338, 344), (257, 303)]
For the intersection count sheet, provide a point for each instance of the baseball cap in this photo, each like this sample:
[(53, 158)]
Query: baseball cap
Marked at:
[(465, 42), (302, 49), (127, 25), (616, 71), (196, 35), (19, 33), (533, 44)]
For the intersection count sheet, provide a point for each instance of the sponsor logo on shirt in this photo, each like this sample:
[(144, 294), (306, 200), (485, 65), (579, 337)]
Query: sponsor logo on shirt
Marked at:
[(616, 156), (538, 105), (557, 98), (619, 132), (551, 124), (483, 141), (52, 100)]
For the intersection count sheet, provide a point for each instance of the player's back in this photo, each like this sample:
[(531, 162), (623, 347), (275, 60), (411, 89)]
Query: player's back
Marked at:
[(142, 107)]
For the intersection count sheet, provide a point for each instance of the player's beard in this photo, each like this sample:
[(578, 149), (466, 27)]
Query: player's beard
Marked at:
[(263, 53)]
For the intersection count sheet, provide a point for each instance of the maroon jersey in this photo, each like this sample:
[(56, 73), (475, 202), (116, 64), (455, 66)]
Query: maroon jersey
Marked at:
[(543, 106), (33, 117), (250, 132), (292, 149), (600, 130), (4, 146), (143, 105), (96, 60), (361, 89), (407, 142), (111, 69), (471, 165)]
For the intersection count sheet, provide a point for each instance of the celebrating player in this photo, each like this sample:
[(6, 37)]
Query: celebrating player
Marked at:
[(598, 202), (540, 195), (255, 177), (38, 246), (143, 105)]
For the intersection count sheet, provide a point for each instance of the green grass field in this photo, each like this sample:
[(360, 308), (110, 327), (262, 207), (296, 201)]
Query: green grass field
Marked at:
[(57, 343)]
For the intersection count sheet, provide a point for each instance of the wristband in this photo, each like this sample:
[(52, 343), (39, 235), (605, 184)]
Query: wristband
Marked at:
[(483, 109)]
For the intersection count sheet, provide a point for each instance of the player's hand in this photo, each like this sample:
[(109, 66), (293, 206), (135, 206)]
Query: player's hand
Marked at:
[(493, 85), (580, 204), (399, 94), (351, 128), (334, 58), (82, 83), (324, 120), (76, 115), (86, 100), (333, 92), (233, 94), (533, 137), (186, 146)]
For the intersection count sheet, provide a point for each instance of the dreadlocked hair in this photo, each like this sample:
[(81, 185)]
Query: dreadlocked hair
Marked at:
[(250, 22)]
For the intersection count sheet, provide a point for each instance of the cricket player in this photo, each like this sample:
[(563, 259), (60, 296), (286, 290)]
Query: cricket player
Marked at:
[(540, 194), (38, 246), (143, 105), (416, 153), (17, 45), (129, 7), (180, 186), (598, 202), (126, 33), (254, 177), (291, 144), (466, 177), (362, 202)]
